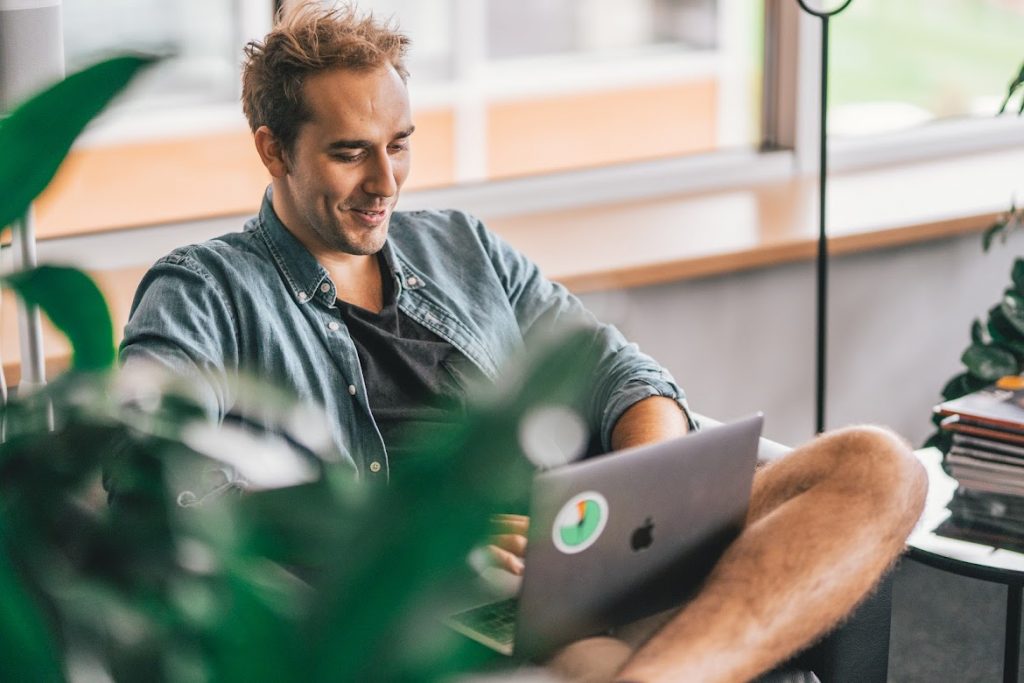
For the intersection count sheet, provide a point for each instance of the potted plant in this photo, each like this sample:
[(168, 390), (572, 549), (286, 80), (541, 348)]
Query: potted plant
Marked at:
[(305, 576), (997, 344)]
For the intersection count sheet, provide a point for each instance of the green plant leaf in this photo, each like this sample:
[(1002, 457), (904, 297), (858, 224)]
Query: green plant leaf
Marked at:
[(421, 528), (1004, 335), (941, 439), (27, 652), (961, 385), (1012, 307), (989, 363), (977, 332), (1014, 85), (38, 134), (1018, 276), (990, 234), (75, 305)]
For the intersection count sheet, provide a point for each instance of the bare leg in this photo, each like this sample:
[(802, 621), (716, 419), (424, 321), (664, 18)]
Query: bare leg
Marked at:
[(825, 523)]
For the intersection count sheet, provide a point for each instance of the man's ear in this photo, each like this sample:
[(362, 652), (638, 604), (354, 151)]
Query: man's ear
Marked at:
[(271, 152)]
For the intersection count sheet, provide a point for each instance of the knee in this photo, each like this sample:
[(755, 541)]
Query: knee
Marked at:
[(880, 465), (591, 660)]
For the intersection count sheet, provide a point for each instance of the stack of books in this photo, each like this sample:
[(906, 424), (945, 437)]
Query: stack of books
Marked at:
[(987, 457)]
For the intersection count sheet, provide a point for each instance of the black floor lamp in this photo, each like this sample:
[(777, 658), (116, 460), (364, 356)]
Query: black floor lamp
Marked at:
[(823, 13)]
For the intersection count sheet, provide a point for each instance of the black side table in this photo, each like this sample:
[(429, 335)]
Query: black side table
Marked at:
[(930, 544)]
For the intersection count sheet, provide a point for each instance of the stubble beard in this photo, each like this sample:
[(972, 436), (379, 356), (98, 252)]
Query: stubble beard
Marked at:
[(334, 236)]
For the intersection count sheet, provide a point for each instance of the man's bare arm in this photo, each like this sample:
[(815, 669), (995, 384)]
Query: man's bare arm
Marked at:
[(655, 418)]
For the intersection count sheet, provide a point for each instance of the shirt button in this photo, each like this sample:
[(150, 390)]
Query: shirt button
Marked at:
[(325, 288), (302, 296), (375, 467), (413, 281), (333, 326), (352, 389)]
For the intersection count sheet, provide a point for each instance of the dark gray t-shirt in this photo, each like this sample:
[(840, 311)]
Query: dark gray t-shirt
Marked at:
[(415, 380)]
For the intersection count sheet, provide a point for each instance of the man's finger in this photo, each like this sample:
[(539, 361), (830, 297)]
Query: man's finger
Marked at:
[(506, 560), (513, 543), (511, 524)]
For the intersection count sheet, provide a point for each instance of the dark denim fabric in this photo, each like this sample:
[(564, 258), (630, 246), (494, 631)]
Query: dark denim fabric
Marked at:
[(257, 302)]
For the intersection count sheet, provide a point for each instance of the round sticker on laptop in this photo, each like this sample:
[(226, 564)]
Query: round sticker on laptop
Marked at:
[(580, 522)]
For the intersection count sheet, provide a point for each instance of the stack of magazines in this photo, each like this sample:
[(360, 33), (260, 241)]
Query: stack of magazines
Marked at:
[(987, 458)]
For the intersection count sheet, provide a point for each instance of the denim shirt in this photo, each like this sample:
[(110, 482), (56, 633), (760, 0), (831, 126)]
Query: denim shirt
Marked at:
[(257, 302)]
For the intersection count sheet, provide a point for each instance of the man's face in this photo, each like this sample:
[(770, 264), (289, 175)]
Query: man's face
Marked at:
[(350, 160)]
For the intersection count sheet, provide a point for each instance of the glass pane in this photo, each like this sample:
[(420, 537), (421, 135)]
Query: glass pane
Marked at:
[(429, 23), (202, 35), (900, 64), (532, 86), (581, 26)]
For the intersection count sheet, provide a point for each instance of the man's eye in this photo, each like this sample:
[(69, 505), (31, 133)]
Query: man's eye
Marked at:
[(399, 148), (347, 158)]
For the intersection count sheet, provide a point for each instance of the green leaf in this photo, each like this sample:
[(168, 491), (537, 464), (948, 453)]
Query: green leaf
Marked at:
[(1012, 306), (990, 234), (1014, 85), (417, 533), (38, 134), (1018, 276), (75, 305), (989, 363), (941, 439), (27, 652), (961, 385), (977, 332), (1005, 335)]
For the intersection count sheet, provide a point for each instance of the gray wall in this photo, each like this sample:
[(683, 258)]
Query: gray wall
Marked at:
[(899, 320)]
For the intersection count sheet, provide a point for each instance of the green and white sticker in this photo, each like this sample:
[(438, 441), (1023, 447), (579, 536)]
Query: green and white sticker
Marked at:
[(580, 522)]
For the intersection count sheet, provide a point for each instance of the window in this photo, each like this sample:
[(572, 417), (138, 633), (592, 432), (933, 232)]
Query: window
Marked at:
[(898, 65), (539, 104), (205, 37), (507, 89)]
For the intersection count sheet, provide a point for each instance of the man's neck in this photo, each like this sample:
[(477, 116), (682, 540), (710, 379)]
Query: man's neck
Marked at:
[(357, 279)]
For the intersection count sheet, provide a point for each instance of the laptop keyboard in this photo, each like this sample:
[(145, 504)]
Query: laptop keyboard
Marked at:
[(496, 620)]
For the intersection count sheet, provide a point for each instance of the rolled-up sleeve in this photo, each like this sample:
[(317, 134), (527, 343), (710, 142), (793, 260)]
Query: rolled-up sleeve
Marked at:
[(625, 375)]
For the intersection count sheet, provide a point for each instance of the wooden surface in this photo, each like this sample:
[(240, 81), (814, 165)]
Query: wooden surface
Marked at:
[(672, 238), (649, 242)]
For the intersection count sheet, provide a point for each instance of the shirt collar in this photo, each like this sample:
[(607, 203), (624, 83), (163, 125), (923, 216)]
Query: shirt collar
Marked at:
[(305, 277), (301, 271)]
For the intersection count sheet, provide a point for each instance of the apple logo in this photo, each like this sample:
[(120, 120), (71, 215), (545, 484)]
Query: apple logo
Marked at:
[(643, 536)]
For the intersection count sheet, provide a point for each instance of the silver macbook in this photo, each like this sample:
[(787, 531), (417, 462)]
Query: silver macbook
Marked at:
[(621, 536)]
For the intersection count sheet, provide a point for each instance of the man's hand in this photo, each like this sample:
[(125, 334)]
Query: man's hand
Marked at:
[(508, 542)]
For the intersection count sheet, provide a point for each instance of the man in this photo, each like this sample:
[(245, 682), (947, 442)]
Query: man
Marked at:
[(384, 318)]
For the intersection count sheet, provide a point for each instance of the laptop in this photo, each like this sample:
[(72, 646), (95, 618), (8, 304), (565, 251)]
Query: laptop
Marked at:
[(621, 536)]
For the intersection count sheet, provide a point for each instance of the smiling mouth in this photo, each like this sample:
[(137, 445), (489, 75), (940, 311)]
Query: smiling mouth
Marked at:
[(371, 216)]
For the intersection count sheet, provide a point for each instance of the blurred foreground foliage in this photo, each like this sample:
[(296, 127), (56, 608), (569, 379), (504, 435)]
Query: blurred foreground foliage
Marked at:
[(310, 576), (324, 579)]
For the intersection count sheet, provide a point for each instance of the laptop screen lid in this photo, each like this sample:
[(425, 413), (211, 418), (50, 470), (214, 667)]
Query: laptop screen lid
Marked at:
[(631, 533)]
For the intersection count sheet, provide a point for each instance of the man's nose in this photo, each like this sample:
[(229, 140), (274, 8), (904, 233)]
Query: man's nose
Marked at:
[(380, 176)]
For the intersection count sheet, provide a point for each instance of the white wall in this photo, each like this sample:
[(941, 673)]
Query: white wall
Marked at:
[(899, 320)]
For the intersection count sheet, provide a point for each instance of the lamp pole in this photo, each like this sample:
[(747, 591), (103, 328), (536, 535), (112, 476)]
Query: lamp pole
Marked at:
[(31, 57), (821, 327)]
